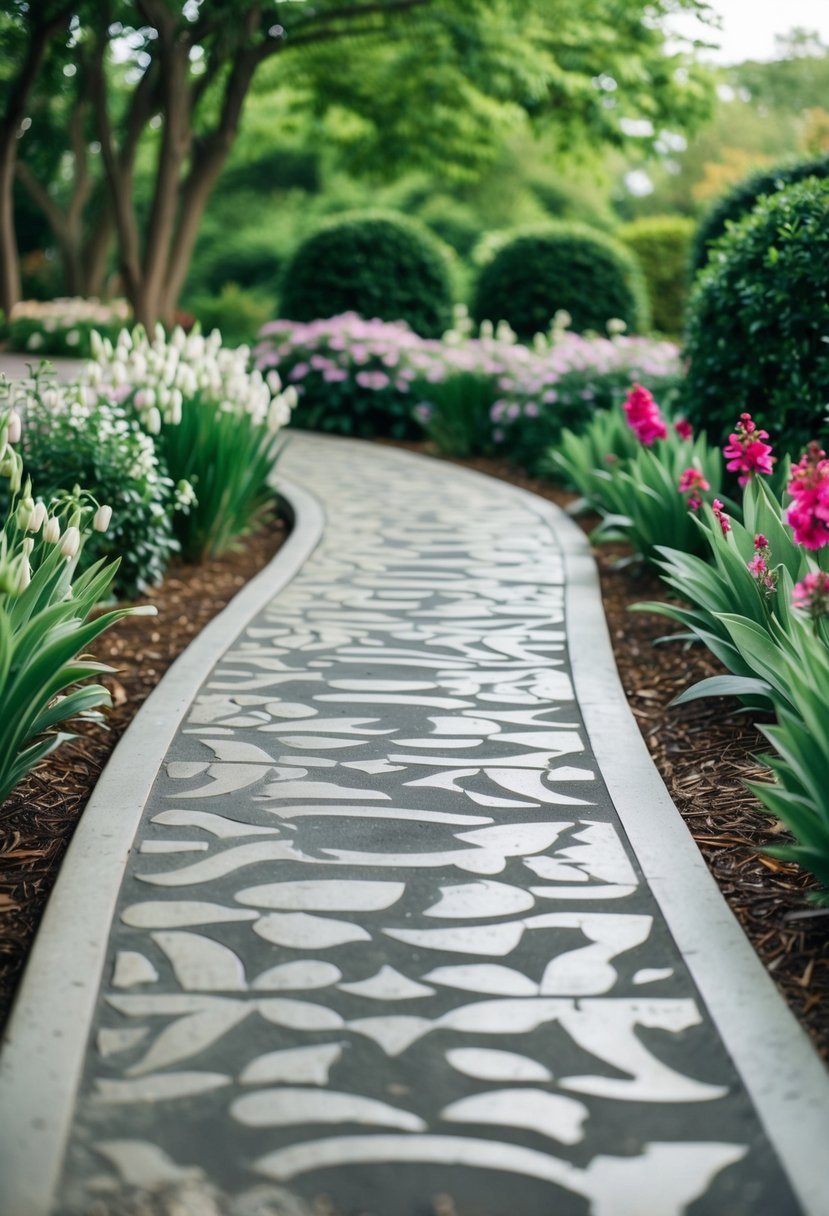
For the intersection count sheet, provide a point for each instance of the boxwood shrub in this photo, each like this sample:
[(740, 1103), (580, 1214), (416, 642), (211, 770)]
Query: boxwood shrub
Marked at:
[(742, 198), (661, 243), (566, 267), (377, 265), (759, 320)]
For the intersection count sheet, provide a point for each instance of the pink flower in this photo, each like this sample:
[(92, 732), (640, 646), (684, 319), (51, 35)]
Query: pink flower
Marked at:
[(808, 514), (721, 517), (759, 567), (692, 482), (683, 428), (644, 417), (746, 452), (812, 595)]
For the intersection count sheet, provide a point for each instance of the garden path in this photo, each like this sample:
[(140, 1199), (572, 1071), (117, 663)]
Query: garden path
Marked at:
[(382, 908)]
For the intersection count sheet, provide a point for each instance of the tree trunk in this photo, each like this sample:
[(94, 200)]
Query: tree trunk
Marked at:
[(9, 259)]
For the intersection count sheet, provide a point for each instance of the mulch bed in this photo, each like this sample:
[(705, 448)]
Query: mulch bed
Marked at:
[(704, 751), (39, 817)]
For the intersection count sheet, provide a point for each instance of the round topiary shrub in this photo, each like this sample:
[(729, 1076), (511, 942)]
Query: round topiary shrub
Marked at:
[(561, 266), (758, 320), (380, 266), (743, 197), (661, 243)]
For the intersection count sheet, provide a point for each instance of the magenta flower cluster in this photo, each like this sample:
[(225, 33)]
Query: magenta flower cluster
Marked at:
[(747, 452), (721, 517), (808, 515), (812, 594), (692, 483), (644, 416), (760, 567)]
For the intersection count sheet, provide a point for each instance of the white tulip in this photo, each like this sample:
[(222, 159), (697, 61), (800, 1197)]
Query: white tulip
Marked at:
[(15, 427), (102, 518), (25, 576), (71, 542), (51, 530), (152, 421), (37, 517)]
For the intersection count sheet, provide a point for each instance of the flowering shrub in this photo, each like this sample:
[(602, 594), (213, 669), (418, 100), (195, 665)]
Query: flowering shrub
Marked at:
[(808, 515), (761, 605), (649, 484), (73, 436), (62, 326), (352, 377), (746, 451), (216, 424), (45, 612), (357, 377)]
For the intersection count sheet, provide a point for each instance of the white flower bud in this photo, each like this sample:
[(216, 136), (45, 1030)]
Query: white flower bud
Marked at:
[(71, 542), (15, 427), (24, 576), (152, 421), (27, 546), (274, 381), (102, 518), (37, 517), (51, 530)]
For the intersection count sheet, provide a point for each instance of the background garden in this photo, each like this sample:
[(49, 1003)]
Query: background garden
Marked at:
[(543, 236)]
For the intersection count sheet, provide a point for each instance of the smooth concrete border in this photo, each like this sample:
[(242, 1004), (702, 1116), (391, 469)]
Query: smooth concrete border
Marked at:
[(46, 1037), (780, 1069)]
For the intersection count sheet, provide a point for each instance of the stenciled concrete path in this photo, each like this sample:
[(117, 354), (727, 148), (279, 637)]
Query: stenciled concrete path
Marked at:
[(381, 908)]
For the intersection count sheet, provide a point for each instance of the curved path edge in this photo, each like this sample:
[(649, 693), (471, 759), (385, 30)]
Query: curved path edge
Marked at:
[(755, 1023), (45, 1039)]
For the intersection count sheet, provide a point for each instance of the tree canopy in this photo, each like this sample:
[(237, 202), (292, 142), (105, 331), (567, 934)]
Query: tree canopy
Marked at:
[(114, 84)]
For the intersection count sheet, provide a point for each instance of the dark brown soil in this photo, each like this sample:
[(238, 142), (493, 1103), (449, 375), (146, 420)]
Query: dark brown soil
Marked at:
[(39, 817), (704, 751)]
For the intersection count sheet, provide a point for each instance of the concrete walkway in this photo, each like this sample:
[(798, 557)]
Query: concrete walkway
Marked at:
[(381, 909)]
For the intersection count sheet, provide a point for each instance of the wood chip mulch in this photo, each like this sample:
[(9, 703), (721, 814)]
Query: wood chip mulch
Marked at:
[(38, 818), (704, 751)]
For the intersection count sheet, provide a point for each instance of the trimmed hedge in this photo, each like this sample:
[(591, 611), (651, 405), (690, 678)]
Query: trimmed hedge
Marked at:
[(742, 199), (377, 265), (561, 266), (758, 319), (661, 243)]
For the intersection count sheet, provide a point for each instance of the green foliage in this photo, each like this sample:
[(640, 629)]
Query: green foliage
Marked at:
[(45, 623), (69, 441), (743, 198), (238, 313), (758, 320), (214, 422), (376, 265), (565, 267), (580, 456), (228, 458), (661, 243), (457, 417)]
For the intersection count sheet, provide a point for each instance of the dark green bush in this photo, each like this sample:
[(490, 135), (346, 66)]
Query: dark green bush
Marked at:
[(373, 264), (561, 266), (743, 197), (758, 320), (661, 243)]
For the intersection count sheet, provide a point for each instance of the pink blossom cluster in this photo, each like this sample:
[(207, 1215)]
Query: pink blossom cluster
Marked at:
[(683, 428), (760, 566), (719, 514), (808, 514), (812, 594), (692, 483), (644, 416), (747, 452)]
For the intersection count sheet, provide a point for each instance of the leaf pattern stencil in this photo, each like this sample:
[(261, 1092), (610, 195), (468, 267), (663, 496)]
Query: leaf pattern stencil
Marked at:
[(407, 944)]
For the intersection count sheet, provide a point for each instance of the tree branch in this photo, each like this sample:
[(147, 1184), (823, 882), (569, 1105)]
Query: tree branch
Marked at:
[(41, 198)]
